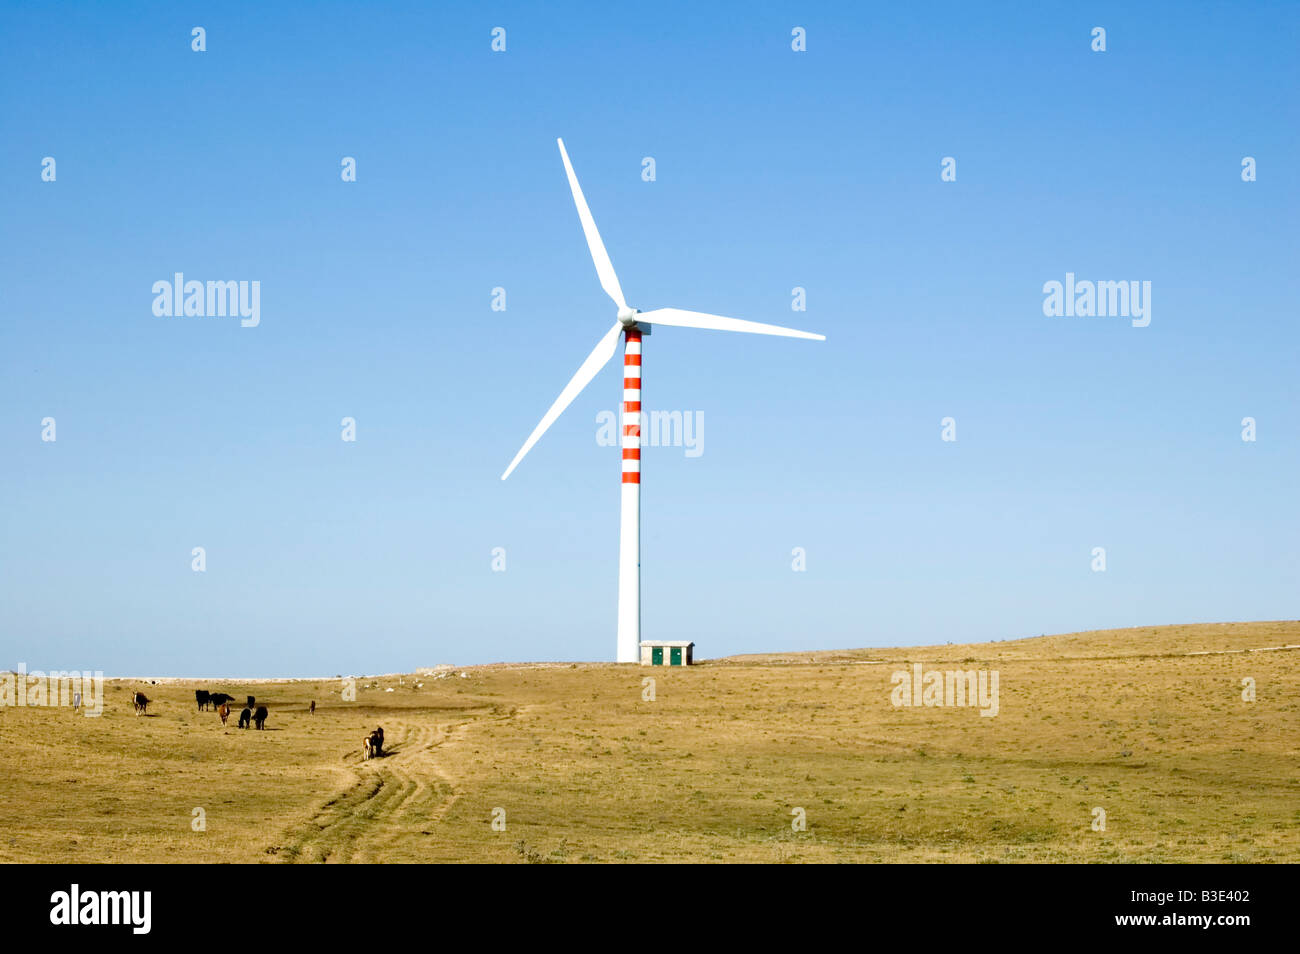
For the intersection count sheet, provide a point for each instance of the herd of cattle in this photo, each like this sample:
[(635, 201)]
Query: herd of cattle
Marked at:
[(372, 746), (220, 702)]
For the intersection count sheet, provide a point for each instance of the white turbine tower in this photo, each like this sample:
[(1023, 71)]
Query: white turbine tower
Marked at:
[(630, 324)]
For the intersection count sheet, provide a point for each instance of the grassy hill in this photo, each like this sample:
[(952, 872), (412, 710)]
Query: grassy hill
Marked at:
[(1147, 724)]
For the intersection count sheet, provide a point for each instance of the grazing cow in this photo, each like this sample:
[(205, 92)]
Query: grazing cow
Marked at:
[(311, 709), (220, 698), (259, 717), (372, 746), (244, 718), (203, 698), (141, 703), (224, 712)]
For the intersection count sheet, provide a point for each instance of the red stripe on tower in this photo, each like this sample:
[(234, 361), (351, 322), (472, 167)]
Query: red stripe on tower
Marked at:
[(632, 406)]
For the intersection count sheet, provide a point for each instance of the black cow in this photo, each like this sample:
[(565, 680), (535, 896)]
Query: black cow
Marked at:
[(220, 698), (244, 718), (251, 702), (259, 717), (203, 698), (141, 702)]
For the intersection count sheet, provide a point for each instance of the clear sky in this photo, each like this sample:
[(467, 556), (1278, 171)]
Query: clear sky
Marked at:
[(774, 169)]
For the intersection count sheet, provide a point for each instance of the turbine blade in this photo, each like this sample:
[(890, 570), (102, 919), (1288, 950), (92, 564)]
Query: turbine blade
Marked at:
[(604, 267), (598, 358), (698, 319)]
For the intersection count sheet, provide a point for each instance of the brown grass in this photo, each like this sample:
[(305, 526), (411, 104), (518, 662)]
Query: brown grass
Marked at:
[(585, 770)]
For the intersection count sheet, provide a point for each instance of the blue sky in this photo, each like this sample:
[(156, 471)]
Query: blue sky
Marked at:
[(775, 169)]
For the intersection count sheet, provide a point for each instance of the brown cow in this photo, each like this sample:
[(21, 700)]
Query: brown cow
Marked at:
[(141, 703), (224, 712), (311, 709)]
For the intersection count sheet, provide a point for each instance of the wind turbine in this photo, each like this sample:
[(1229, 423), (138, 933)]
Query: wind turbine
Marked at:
[(631, 324)]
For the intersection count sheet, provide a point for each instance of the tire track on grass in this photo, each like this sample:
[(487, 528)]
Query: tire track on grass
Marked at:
[(390, 798)]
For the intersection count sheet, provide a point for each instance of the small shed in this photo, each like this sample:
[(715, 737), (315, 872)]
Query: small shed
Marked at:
[(667, 652)]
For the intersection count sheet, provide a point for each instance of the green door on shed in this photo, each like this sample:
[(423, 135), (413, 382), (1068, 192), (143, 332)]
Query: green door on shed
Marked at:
[(675, 656), (657, 656)]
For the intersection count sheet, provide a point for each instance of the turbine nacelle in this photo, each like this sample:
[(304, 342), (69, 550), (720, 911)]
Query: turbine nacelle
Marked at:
[(628, 315)]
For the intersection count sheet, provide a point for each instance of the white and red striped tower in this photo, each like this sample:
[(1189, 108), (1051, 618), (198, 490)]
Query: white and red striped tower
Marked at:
[(629, 537)]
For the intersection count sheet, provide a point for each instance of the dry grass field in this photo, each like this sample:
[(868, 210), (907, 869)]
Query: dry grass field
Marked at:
[(1147, 724)]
